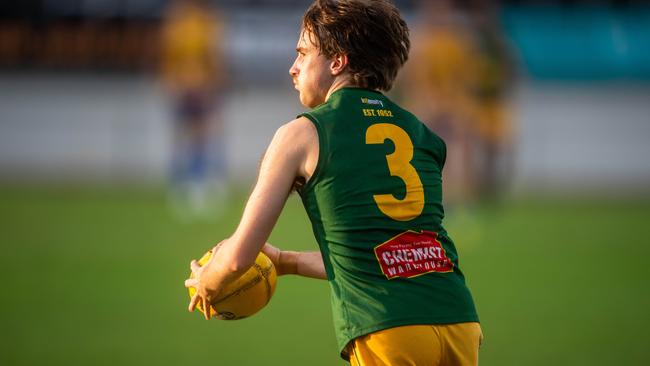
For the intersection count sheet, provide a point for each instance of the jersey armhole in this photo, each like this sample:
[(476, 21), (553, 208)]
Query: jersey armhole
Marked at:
[(444, 153), (321, 153)]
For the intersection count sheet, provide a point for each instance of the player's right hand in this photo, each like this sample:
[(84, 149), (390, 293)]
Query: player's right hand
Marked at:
[(204, 294)]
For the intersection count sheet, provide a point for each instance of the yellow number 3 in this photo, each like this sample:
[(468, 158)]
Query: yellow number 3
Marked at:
[(399, 165)]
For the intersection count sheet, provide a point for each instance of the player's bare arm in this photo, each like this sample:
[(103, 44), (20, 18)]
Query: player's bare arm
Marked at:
[(306, 264), (292, 154)]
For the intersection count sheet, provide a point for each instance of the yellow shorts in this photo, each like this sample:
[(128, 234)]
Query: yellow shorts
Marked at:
[(430, 345)]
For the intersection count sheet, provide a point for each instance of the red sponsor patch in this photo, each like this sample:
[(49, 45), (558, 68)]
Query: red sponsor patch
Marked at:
[(411, 254)]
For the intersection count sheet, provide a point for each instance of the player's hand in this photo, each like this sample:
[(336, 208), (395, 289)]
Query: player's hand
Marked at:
[(202, 294), (283, 261), (205, 294), (274, 255)]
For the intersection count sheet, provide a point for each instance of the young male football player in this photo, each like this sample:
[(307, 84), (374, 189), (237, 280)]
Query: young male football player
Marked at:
[(368, 173)]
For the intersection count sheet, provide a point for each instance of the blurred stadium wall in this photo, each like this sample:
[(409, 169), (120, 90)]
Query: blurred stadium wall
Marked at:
[(582, 99)]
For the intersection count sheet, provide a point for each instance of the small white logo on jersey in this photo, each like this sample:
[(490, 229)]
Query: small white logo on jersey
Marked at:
[(372, 101)]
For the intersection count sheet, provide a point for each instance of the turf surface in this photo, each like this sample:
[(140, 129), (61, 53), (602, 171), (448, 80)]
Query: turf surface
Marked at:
[(95, 277)]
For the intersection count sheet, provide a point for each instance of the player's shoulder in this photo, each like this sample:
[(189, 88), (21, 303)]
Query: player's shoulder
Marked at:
[(299, 125), (298, 130)]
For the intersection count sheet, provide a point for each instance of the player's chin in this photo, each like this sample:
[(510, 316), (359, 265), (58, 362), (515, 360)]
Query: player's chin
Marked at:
[(310, 100), (305, 101)]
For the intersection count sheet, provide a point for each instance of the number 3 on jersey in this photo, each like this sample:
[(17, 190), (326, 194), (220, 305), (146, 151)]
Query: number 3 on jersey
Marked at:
[(399, 165)]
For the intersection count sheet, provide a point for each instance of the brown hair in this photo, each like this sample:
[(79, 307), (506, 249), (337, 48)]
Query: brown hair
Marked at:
[(370, 32)]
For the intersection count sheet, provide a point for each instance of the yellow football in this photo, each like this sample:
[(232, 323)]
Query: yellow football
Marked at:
[(246, 295)]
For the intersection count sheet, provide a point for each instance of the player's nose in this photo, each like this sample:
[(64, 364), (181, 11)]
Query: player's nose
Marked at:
[(293, 70)]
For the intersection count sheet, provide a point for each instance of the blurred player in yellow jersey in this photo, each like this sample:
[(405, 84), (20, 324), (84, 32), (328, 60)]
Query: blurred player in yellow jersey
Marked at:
[(458, 81), (493, 77), (438, 87), (193, 75)]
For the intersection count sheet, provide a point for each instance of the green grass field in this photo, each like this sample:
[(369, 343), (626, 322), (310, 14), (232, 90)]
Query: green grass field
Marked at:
[(95, 277)]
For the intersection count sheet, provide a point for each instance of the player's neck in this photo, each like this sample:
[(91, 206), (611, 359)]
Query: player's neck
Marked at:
[(338, 84)]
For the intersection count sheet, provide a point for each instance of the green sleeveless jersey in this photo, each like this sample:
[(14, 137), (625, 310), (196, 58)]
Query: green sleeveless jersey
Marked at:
[(375, 204)]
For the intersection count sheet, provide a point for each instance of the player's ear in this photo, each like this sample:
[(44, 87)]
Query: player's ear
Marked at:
[(338, 64)]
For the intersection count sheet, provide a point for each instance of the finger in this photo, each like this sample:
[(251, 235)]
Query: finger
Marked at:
[(191, 282), (217, 247), (206, 309), (272, 252), (194, 265), (195, 300)]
